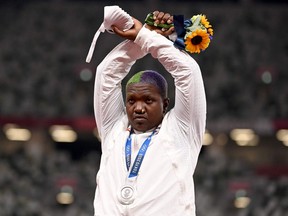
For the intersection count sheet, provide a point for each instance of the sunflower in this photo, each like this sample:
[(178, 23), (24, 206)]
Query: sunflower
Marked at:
[(210, 31), (197, 41), (205, 22)]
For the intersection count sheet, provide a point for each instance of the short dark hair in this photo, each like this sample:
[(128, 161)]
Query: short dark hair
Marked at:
[(151, 77)]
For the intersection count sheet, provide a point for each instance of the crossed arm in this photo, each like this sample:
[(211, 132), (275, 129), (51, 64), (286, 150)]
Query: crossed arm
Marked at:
[(190, 101)]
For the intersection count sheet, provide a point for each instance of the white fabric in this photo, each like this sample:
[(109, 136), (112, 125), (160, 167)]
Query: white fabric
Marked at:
[(165, 184), (113, 15)]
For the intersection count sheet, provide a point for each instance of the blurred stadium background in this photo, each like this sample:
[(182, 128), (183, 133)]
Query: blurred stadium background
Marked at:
[(49, 152)]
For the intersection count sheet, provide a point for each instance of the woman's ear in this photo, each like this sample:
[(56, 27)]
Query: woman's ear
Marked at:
[(165, 104)]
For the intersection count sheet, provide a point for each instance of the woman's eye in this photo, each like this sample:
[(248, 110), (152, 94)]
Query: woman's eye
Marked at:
[(130, 101), (149, 100)]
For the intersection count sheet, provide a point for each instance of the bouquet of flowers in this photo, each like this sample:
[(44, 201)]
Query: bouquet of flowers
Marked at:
[(192, 35)]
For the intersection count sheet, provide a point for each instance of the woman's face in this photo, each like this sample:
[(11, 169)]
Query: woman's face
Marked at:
[(144, 106)]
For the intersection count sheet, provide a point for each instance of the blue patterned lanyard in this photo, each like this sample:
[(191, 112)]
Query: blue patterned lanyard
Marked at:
[(140, 156)]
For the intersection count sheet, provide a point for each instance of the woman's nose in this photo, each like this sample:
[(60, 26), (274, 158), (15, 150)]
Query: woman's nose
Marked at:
[(139, 108)]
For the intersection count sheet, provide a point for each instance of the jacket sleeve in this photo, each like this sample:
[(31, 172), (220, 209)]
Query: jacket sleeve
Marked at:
[(190, 99), (108, 98)]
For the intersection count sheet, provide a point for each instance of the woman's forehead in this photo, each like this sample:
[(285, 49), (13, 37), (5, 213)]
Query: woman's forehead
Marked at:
[(142, 88)]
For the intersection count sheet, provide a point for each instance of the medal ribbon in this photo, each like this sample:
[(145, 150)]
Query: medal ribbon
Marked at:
[(140, 156)]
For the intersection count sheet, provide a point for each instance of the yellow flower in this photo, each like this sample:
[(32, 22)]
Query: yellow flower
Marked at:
[(197, 41), (205, 22), (210, 31)]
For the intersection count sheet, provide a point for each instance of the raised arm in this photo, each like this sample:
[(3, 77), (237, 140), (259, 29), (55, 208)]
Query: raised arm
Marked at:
[(108, 99), (190, 100)]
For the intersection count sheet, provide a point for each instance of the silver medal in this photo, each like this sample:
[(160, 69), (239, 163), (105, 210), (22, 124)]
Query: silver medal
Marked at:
[(126, 195)]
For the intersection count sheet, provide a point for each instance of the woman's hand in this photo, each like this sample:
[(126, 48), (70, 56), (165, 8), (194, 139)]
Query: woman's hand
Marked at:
[(130, 34), (161, 18)]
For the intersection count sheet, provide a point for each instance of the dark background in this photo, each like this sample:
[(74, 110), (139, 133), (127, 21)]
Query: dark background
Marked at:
[(43, 46)]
